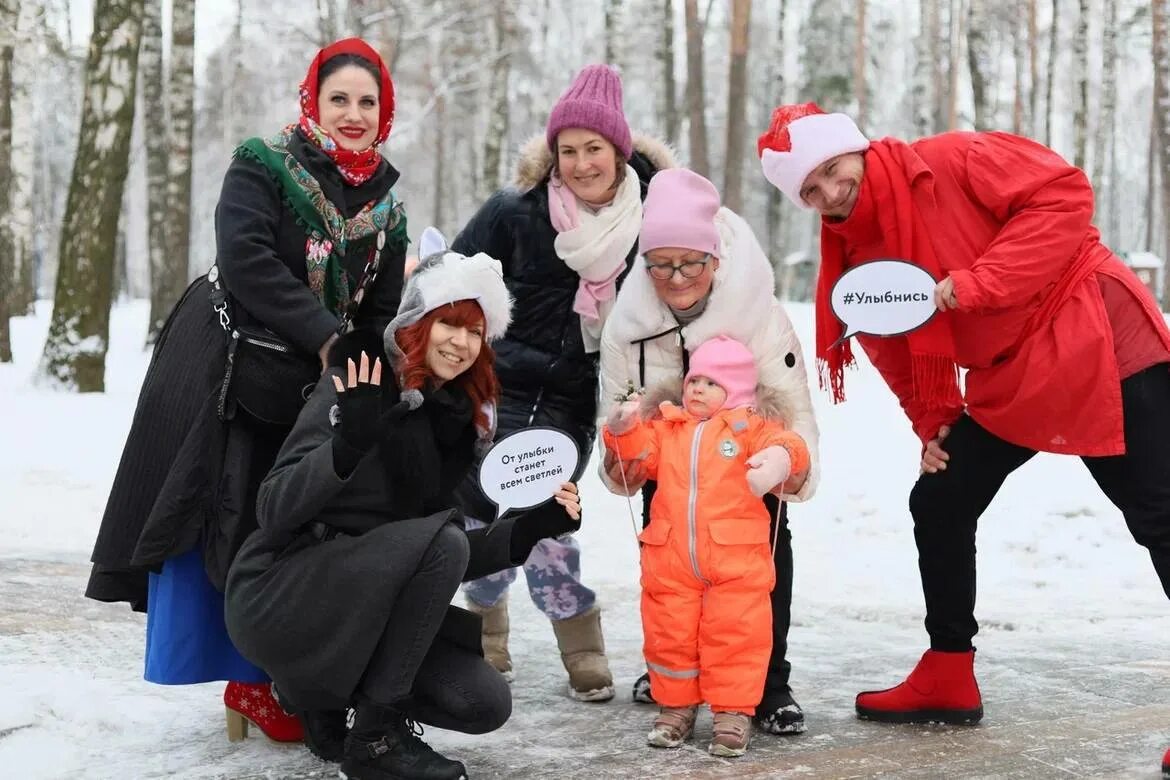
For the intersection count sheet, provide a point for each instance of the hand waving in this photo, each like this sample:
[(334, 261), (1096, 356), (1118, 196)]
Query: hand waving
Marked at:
[(359, 400)]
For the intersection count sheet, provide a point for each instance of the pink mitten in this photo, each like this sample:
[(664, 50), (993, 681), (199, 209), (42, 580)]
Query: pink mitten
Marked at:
[(622, 418), (768, 468)]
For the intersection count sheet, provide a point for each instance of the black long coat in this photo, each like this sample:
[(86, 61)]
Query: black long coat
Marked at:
[(184, 477), (546, 376), (310, 612)]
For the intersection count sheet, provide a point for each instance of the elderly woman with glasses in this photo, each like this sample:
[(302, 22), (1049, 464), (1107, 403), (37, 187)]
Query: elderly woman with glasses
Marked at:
[(705, 275)]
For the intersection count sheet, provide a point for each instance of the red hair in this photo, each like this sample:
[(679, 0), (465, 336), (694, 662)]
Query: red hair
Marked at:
[(479, 381)]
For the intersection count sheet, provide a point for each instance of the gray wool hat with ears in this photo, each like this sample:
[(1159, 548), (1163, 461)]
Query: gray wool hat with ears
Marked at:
[(443, 277)]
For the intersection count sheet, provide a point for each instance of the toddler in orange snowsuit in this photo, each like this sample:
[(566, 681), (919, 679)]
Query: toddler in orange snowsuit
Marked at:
[(707, 567)]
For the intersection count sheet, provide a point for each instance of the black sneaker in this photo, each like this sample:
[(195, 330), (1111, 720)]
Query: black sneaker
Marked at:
[(642, 689), (779, 713), (398, 755)]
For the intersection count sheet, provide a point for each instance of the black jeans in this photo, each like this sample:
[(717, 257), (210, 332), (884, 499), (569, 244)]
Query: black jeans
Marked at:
[(428, 678), (946, 506), (779, 670)]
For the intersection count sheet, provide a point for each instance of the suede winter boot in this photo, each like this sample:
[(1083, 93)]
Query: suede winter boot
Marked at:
[(384, 745), (583, 653), (672, 727), (495, 635), (941, 689)]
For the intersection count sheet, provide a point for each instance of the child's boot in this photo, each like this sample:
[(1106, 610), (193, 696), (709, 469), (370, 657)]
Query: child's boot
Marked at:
[(672, 727), (733, 732)]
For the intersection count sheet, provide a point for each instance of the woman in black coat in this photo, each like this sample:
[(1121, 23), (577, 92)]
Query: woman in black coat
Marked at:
[(343, 594), (299, 217)]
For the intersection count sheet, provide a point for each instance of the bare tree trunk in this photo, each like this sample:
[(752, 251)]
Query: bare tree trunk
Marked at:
[(1081, 110), (1033, 70), (327, 23), (741, 15), (1161, 50), (1053, 44), (75, 349), (497, 130), (978, 60), (25, 61), (1102, 173), (1018, 97), (859, 55), (181, 94), (1153, 160), (154, 114), (670, 115), (436, 75), (954, 43), (924, 44), (774, 214), (9, 12), (934, 24), (696, 91), (614, 30)]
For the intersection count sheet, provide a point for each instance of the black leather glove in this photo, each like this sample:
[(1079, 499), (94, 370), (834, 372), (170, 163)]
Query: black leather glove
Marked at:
[(541, 522)]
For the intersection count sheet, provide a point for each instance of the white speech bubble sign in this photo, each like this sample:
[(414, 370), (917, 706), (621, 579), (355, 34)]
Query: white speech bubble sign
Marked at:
[(525, 468), (884, 298)]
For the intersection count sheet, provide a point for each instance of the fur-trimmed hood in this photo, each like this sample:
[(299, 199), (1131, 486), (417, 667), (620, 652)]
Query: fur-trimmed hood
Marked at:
[(769, 403), (536, 159)]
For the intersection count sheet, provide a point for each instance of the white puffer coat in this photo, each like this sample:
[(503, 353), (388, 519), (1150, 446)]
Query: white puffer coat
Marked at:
[(643, 344)]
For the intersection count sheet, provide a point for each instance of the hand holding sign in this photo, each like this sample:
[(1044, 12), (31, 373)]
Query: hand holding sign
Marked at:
[(884, 298), (528, 468)]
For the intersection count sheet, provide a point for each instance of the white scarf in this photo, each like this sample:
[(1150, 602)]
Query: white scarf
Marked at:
[(595, 246)]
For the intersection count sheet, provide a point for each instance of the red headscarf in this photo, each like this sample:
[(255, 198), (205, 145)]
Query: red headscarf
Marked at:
[(356, 167)]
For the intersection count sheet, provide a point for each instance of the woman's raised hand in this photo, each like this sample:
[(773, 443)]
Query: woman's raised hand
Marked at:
[(359, 400)]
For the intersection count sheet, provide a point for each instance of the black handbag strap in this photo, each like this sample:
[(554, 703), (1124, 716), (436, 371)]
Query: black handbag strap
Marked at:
[(220, 299)]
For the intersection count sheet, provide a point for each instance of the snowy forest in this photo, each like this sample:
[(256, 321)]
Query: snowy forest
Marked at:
[(118, 119)]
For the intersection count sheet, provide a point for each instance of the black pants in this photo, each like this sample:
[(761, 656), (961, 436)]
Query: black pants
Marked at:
[(428, 678), (779, 669), (946, 506)]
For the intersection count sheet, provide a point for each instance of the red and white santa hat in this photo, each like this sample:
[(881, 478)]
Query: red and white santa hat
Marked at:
[(801, 137)]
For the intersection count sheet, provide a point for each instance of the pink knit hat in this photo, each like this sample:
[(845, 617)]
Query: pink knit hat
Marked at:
[(729, 364), (594, 102), (679, 211)]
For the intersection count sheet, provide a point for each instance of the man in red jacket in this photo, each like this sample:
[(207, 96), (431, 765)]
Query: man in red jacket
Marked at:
[(1065, 349)]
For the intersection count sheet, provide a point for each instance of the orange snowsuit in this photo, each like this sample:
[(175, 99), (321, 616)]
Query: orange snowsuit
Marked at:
[(707, 568)]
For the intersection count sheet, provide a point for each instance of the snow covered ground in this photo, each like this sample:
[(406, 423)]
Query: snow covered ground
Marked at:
[(1073, 653)]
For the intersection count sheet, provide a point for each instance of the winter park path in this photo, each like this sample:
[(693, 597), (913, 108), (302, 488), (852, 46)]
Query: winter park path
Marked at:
[(75, 706)]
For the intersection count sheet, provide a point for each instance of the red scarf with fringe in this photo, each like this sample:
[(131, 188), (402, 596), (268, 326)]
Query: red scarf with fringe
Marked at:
[(900, 184), (356, 167)]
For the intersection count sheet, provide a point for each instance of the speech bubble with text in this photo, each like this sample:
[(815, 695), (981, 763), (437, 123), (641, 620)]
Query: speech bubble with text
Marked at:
[(883, 298), (525, 468)]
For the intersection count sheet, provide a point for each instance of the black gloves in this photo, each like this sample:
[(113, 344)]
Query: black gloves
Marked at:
[(541, 522)]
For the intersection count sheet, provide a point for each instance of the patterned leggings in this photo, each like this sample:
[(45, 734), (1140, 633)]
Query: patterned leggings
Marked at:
[(553, 571)]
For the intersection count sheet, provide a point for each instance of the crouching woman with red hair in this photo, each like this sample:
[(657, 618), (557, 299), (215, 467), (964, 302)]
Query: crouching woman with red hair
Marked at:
[(343, 594)]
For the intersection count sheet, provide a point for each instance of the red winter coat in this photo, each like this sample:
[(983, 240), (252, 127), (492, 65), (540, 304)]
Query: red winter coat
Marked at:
[(1010, 224)]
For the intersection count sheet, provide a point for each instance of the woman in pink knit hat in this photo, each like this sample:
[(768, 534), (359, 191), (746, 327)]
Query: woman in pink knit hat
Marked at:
[(566, 234), (703, 274)]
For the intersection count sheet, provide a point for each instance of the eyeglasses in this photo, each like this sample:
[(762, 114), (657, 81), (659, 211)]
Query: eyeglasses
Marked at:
[(690, 269)]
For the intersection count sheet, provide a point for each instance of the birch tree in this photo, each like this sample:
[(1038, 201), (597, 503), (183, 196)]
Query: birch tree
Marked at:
[(978, 59), (181, 113), (9, 10), (859, 55), (1103, 170), (24, 130), (497, 130), (1053, 43), (75, 349), (1160, 9), (154, 115), (774, 213), (614, 32)]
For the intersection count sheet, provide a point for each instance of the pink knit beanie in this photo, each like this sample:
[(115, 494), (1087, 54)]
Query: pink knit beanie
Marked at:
[(593, 102), (729, 364), (679, 211)]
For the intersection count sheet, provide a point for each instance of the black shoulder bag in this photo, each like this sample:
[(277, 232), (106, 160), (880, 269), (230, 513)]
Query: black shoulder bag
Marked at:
[(266, 377)]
